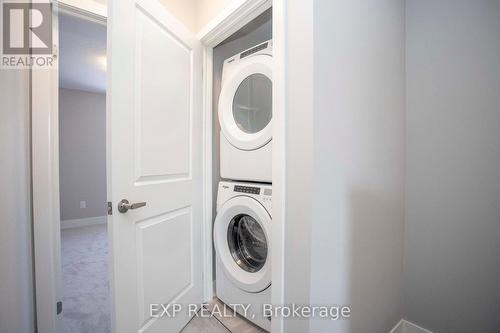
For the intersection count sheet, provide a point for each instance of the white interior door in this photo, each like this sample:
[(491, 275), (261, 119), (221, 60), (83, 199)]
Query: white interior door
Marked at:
[(155, 156)]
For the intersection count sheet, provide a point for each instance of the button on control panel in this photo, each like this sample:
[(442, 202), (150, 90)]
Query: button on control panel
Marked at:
[(247, 189)]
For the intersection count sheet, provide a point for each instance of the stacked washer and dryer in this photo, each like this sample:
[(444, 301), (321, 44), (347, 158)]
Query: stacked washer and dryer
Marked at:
[(242, 228)]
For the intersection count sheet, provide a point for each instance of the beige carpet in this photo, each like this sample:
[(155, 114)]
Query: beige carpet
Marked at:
[(86, 301)]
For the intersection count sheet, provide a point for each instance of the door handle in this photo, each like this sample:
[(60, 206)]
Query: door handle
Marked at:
[(124, 205)]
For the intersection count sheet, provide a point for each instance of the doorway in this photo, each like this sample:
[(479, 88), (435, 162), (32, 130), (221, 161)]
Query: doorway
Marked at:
[(212, 35), (85, 289)]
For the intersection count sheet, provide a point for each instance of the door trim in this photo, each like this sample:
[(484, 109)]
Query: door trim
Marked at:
[(45, 174), (279, 162), (231, 19), (45, 197), (88, 10)]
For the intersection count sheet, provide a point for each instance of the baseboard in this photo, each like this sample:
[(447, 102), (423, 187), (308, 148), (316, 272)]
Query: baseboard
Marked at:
[(404, 326), (78, 223)]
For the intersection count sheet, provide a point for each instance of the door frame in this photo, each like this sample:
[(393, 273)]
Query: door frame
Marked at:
[(45, 173), (45, 158), (229, 21)]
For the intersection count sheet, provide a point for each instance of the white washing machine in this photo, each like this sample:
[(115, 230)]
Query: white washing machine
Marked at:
[(245, 115), (242, 232)]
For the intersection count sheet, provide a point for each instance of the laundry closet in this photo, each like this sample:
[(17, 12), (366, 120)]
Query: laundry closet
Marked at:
[(242, 168)]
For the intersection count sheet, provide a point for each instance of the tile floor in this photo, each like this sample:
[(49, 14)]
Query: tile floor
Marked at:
[(220, 324)]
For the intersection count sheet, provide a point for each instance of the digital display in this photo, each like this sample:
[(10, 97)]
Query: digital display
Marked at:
[(247, 189)]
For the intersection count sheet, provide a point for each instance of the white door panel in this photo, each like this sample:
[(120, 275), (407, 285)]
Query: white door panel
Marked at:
[(164, 254), (164, 71), (155, 125)]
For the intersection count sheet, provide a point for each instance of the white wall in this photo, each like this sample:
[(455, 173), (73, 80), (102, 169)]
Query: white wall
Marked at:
[(186, 11), (82, 153), (16, 279), (452, 252), (208, 10), (345, 91), (195, 14)]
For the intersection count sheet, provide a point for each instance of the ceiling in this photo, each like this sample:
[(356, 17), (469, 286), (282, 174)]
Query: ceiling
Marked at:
[(82, 51)]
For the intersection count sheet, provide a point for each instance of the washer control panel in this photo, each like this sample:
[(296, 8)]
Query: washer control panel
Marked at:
[(260, 192), (247, 189)]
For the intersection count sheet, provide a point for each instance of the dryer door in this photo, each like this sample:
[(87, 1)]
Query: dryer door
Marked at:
[(241, 237), (245, 103)]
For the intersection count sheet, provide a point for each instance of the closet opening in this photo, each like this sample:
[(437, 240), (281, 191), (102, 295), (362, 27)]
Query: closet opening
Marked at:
[(242, 95)]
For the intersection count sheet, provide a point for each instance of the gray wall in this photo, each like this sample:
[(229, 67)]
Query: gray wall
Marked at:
[(16, 278), (452, 252), (82, 153), (257, 31), (358, 163)]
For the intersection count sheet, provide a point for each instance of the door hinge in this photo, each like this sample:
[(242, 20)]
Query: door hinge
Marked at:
[(110, 208), (59, 307), (55, 51)]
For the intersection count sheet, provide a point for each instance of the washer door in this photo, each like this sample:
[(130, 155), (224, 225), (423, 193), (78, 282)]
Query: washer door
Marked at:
[(245, 103), (241, 238)]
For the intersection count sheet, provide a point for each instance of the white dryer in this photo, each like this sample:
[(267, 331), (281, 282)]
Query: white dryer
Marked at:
[(242, 232), (245, 115)]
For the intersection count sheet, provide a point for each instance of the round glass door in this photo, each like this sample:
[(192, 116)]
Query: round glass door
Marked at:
[(247, 243), (252, 103), (245, 103)]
